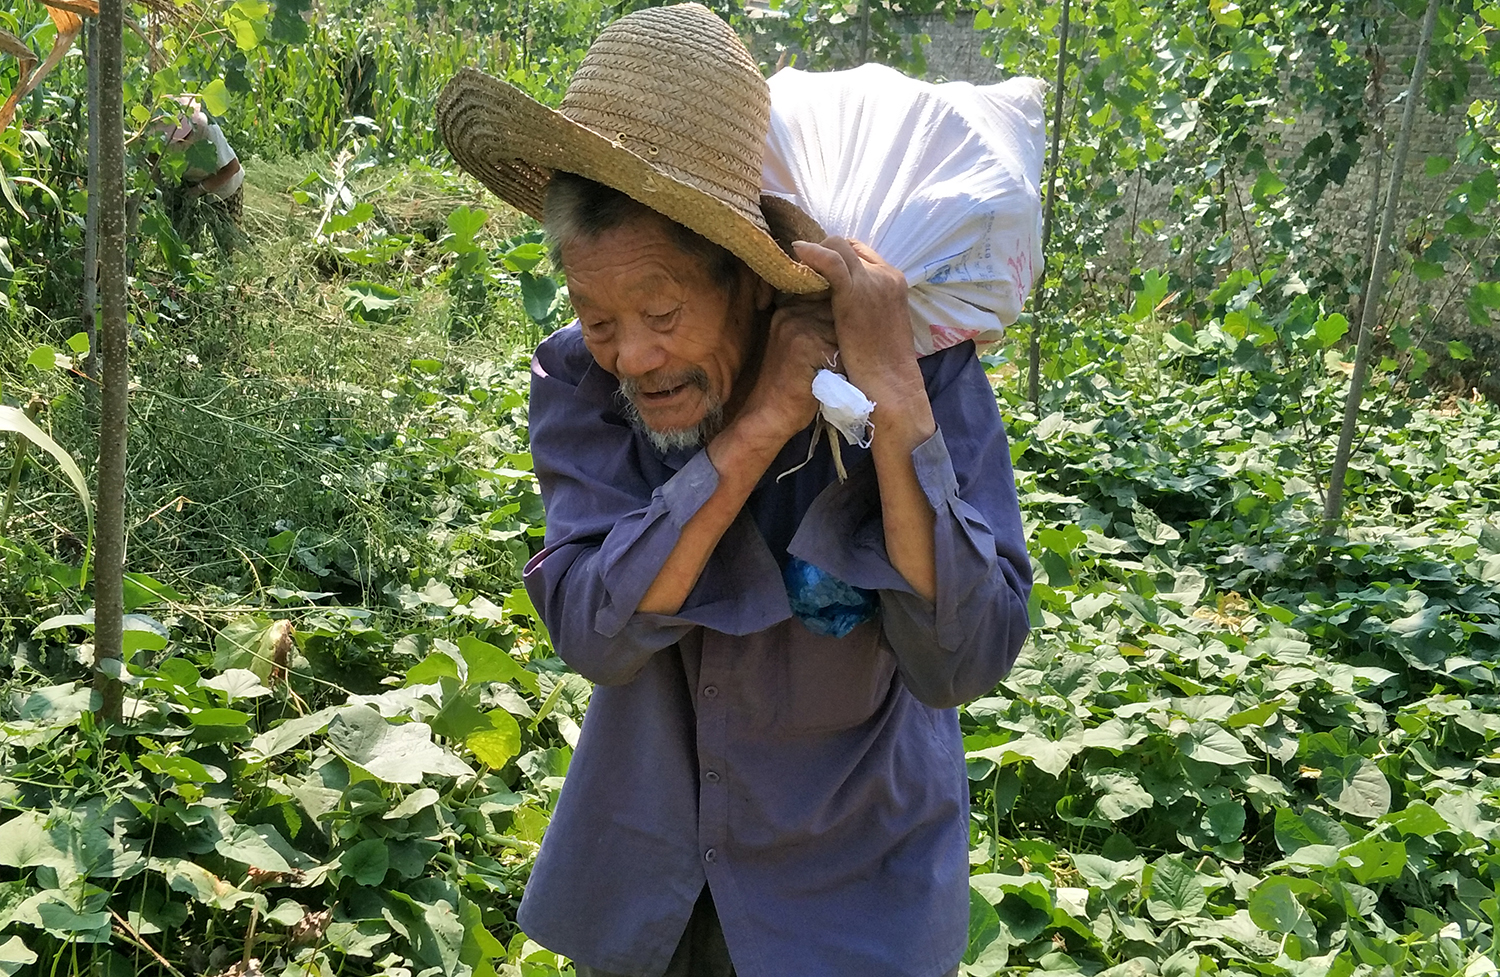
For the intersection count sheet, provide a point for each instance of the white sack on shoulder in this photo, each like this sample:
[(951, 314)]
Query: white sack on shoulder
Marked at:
[(942, 180)]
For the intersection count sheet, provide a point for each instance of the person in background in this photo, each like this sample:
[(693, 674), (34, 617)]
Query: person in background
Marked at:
[(757, 790), (211, 190)]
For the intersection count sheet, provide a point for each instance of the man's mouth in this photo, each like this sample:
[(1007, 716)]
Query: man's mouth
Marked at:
[(663, 395)]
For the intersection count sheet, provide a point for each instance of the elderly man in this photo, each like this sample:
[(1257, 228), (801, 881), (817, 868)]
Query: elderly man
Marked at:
[(751, 793)]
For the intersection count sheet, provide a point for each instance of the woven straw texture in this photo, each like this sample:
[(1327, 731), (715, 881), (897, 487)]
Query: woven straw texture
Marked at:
[(667, 107)]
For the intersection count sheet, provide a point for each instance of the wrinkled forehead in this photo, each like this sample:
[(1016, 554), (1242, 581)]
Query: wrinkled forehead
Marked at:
[(636, 260)]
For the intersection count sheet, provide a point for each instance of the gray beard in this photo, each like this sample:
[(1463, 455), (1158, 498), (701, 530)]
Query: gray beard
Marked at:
[(689, 437)]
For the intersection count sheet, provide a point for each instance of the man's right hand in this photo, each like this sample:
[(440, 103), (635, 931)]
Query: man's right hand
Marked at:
[(802, 341)]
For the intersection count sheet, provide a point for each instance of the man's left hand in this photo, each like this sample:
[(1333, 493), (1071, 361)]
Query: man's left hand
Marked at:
[(871, 317)]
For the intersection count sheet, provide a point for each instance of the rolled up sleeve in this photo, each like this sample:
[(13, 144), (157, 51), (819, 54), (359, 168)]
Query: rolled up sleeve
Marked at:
[(614, 515), (960, 645)]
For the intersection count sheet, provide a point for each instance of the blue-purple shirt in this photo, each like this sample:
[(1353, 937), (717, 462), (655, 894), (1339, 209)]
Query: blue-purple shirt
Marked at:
[(817, 784)]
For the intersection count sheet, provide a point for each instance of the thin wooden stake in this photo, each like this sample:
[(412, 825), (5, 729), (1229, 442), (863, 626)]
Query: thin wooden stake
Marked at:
[(109, 580), (89, 307), (1034, 380), (1333, 508)]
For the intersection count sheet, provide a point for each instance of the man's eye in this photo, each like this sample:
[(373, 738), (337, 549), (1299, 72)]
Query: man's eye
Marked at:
[(658, 318)]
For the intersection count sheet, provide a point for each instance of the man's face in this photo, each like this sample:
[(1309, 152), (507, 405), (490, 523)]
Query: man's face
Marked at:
[(654, 316)]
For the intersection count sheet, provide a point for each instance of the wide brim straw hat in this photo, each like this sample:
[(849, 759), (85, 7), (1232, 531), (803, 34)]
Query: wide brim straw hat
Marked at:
[(667, 107)]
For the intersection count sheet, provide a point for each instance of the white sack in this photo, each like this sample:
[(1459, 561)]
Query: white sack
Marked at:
[(942, 180)]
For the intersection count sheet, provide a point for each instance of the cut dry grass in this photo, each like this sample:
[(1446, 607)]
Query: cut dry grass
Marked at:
[(254, 386)]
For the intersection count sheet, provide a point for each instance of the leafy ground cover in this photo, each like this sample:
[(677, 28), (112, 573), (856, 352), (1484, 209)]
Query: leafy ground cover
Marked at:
[(1234, 743)]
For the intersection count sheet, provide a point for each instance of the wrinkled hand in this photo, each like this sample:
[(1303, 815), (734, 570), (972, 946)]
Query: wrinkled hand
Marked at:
[(802, 341), (871, 315)]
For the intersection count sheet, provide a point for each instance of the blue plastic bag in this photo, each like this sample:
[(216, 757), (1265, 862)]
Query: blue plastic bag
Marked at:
[(825, 604)]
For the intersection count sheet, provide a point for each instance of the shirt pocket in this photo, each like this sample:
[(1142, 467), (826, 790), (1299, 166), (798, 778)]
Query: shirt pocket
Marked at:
[(831, 684)]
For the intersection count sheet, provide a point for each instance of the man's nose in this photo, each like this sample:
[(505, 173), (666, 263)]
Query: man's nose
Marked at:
[(639, 353)]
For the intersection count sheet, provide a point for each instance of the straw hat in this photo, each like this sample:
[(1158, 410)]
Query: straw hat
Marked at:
[(667, 107)]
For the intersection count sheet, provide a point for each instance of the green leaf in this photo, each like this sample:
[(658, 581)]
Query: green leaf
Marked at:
[(984, 926), (437, 665), (1373, 860), (279, 739), (1154, 286), (1267, 184), (237, 683), (1436, 165), (487, 663), (1106, 873), (202, 885), (367, 862), (1150, 528), (464, 223), (1120, 794), (1459, 351), (398, 754), (43, 358), (13, 421), (497, 745), (1330, 329), (219, 717), (350, 219), (287, 25), (525, 257), (1049, 756), (1274, 906), (370, 301), (539, 296), (142, 590), (1255, 716), (1417, 818), (252, 845), (216, 97), (246, 21), (247, 642), (1208, 742), (1175, 891), (182, 769), (62, 920), (1225, 820), (1358, 788), (414, 803), (14, 955), (1483, 297)]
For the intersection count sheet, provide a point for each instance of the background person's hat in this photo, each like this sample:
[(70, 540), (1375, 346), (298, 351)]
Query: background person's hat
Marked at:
[(667, 107)]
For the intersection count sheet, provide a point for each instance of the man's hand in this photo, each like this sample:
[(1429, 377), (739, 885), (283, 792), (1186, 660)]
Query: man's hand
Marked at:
[(872, 319), (802, 341)]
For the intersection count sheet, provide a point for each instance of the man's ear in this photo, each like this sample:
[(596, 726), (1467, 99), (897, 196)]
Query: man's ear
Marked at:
[(765, 294)]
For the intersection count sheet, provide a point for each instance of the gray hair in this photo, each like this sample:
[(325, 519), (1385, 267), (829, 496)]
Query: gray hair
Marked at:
[(577, 207)]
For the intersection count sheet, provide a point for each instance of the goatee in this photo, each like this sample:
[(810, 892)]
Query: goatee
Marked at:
[(689, 437)]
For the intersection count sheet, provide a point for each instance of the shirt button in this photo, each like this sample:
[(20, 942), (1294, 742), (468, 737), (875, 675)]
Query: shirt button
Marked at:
[(710, 855), (712, 776), (709, 691)]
